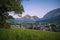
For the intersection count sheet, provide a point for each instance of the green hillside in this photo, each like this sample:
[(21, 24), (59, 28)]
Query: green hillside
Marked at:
[(27, 34)]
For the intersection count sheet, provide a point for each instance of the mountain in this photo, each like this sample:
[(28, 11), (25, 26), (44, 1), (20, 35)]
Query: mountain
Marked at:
[(26, 18), (52, 16), (36, 18), (29, 18), (53, 13)]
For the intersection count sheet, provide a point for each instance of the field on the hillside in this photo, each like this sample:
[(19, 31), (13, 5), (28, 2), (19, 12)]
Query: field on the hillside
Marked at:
[(26, 34)]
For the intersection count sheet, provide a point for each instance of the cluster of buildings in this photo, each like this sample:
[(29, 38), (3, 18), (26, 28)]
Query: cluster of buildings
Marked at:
[(39, 26)]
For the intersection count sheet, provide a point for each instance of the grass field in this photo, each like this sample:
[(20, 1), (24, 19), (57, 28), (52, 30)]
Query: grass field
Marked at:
[(27, 34)]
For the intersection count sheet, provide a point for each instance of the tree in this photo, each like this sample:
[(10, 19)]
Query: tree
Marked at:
[(9, 5), (10, 17), (53, 26)]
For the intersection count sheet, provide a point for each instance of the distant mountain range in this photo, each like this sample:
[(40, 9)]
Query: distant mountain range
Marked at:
[(26, 18), (51, 17)]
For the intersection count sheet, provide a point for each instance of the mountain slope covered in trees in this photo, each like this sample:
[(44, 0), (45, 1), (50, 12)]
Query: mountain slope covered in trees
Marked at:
[(52, 16)]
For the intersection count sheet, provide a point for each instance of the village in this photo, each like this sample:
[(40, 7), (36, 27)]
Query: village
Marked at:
[(39, 26)]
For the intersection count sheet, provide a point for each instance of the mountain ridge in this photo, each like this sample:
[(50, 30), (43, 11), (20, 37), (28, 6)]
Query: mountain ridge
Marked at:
[(52, 13), (52, 16)]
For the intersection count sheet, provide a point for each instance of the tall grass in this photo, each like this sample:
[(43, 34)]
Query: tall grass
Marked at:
[(27, 34)]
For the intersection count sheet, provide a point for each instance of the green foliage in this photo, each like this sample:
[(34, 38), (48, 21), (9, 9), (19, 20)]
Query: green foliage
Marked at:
[(27, 34), (10, 17), (10, 5)]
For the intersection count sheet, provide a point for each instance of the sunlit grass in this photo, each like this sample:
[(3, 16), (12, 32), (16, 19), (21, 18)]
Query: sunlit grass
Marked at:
[(27, 34)]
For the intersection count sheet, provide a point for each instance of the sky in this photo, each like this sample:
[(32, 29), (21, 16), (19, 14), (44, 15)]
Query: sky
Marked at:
[(39, 7)]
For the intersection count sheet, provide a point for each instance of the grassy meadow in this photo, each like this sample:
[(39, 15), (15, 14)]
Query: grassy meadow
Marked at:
[(27, 34)]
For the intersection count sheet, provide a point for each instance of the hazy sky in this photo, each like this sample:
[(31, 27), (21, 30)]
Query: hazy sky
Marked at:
[(39, 7)]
